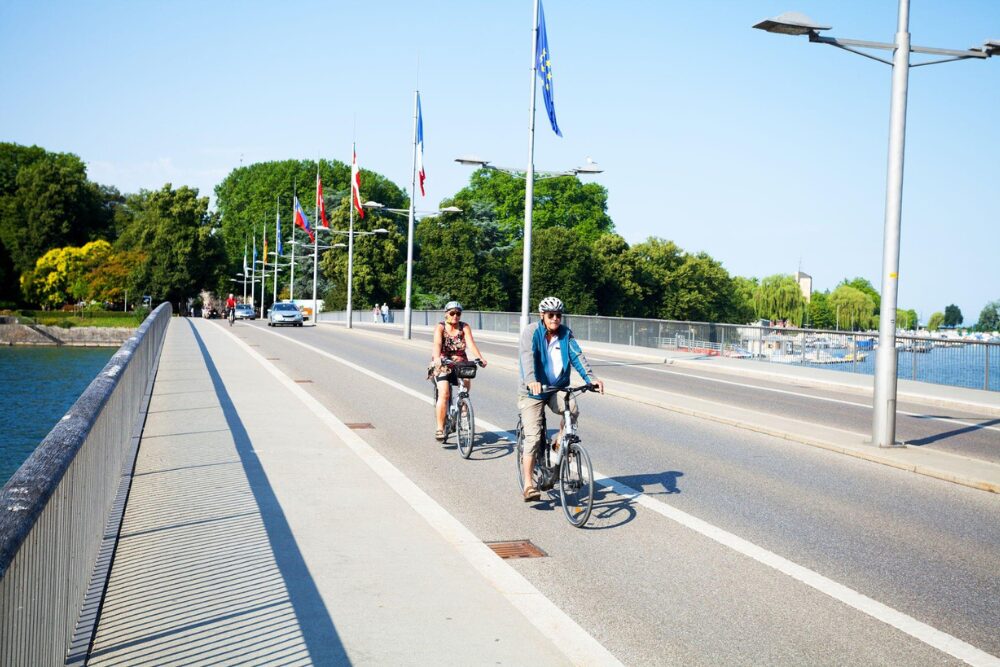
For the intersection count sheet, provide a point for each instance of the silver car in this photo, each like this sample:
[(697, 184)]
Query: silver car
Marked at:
[(245, 311), (284, 313)]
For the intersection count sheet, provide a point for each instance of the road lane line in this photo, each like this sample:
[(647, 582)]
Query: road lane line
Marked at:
[(923, 632), (917, 415), (576, 643)]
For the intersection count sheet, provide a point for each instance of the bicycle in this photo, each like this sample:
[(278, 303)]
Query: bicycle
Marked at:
[(565, 461), (460, 417), (231, 315)]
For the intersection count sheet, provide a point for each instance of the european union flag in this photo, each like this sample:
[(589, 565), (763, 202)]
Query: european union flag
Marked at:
[(544, 60)]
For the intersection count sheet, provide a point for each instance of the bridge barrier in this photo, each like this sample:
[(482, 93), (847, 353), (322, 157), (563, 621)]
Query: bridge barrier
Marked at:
[(55, 508), (958, 362)]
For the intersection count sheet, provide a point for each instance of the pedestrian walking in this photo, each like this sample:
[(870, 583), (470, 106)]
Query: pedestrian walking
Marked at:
[(376, 314), (385, 312)]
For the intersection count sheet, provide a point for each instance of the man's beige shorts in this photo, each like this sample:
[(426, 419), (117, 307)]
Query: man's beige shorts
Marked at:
[(531, 416)]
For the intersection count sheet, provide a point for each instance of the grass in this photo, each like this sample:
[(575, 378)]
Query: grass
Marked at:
[(66, 320)]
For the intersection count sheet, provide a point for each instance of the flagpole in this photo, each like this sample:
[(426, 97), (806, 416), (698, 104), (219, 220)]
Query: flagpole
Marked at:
[(245, 245), (529, 181), (277, 244), (350, 245), (263, 271), (407, 312), (316, 246), (291, 283), (253, 272)]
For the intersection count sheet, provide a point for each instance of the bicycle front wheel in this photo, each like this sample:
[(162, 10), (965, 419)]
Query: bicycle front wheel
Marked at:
[(466, 427), (576, 485)]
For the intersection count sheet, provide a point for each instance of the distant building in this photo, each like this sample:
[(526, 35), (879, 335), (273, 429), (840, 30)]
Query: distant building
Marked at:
[(805, 282)]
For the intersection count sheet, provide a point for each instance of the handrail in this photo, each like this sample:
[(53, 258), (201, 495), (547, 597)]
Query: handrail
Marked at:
[(54, 508)]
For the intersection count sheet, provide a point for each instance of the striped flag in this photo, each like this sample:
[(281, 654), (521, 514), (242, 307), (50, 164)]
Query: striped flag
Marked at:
[(420, 147), (320, 206), (356, 183), (302, 221)]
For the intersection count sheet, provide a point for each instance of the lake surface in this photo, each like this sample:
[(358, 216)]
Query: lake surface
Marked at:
[(38, 385)]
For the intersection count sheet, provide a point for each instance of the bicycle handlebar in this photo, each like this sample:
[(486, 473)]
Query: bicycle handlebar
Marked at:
[(445, 361), (572, 390)]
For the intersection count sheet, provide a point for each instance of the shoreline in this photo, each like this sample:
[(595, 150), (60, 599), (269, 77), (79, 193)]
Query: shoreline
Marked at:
[(41, 335)]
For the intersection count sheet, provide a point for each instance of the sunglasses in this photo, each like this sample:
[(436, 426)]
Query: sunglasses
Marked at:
[(454, 312), (554, 316)]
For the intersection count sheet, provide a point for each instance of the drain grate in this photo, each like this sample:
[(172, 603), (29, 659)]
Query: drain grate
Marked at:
[(516, 549), (272, 358), (357, 425), (303, 382)]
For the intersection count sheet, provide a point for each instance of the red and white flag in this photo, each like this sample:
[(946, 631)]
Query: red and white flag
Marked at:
[(420, 147), (356, 184), (320, 206)]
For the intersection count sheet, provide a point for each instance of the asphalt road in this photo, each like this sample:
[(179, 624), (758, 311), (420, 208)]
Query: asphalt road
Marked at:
[(665, 576)]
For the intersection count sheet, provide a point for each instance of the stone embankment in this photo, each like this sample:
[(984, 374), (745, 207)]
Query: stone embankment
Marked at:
[(40, 334)]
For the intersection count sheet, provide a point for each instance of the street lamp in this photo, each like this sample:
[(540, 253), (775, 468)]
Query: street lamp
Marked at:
[(350, 262), (884, 401), (374, 205), (475, 161)]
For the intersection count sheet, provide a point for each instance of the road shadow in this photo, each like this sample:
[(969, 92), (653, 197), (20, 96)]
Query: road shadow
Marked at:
[(312, 619), (937, 437), (653, 484), (491, 445)]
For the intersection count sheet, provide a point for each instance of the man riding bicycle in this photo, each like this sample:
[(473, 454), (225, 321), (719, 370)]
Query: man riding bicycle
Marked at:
[(230, 307), (546, 349), (451, 340)]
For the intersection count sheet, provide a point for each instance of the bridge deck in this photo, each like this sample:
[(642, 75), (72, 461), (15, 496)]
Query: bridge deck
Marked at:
[(258, 532)]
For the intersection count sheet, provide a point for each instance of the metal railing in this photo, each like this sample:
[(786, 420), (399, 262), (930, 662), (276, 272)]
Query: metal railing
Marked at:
[(54, 508), (974, 364)]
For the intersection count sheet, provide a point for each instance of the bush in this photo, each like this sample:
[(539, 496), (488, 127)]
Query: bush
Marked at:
[(65, 324)]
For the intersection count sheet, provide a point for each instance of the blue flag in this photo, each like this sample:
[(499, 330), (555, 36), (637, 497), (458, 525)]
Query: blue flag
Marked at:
[(277, 234), (544, 61)]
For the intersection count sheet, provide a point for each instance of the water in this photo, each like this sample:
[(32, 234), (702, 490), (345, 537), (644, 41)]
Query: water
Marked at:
[(38, 385)]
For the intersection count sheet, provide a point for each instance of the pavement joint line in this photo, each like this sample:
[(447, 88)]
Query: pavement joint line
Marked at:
[(923, 632), (861, 452), (575, 642)]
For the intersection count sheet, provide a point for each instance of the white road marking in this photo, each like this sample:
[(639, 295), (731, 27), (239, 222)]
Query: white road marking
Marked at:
[(927, 634), (575, 642), (950, 420)]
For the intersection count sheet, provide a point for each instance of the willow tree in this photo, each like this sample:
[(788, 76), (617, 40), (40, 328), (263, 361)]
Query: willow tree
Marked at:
[(779, 297), (852, 307)]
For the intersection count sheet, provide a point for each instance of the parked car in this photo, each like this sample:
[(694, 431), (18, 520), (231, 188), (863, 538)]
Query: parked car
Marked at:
[(284, 313), (245, 311)]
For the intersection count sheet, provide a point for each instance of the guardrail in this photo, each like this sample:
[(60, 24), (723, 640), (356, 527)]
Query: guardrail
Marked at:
[(53, 510), (974, 364)]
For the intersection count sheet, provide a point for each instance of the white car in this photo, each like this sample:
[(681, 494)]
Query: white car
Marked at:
[(284, 312)]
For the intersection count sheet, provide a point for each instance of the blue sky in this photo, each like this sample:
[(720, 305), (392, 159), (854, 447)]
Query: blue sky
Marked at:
[(764, 151)]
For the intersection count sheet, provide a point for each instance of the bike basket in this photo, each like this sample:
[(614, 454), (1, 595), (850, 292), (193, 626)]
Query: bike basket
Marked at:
[(465, 369)]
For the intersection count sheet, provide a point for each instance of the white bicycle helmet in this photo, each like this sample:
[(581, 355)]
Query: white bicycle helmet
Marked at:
[(550, 304), (453, 305)]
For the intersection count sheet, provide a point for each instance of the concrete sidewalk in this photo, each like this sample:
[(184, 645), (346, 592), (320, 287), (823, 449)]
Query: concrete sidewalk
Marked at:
[(261, 530), (968, 471)]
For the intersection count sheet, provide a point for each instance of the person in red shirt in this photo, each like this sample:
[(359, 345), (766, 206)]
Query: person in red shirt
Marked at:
[(230, 305)]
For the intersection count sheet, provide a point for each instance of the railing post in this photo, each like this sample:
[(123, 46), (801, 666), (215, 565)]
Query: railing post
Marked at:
[(986, 375)]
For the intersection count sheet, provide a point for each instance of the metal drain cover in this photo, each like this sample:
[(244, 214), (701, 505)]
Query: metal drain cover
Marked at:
[(516, 549)]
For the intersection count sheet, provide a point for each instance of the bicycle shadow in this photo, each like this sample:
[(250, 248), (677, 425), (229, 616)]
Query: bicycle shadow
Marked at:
[(648, 483)]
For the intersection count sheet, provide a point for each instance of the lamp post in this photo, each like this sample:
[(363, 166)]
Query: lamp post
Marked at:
[(314, 255), (884, 401), (411, 213), (476, 161), (350, 261)]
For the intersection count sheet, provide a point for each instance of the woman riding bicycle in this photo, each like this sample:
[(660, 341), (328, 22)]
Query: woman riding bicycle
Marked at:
[(452, 338), (547, 350)]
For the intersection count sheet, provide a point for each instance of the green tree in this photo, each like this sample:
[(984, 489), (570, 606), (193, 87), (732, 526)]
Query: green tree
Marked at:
[(989, 317), (906, 319), (743, 290), (865, 286), (182, 252), (559, 202), (617, 281), (457, 259), (655, 260), (563, 266), (779, 297), (115, 277), (821, 316), (52, 205), (952, 316), (853, 308), (699, 290), (935, 321)]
